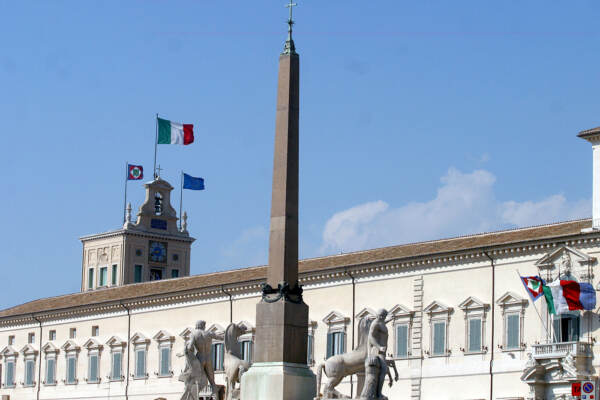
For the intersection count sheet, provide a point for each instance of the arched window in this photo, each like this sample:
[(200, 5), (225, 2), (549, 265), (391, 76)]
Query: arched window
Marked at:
[(158, 204)]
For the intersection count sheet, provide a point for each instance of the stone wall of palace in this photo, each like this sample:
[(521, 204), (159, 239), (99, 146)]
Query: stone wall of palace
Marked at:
[(448, 288)]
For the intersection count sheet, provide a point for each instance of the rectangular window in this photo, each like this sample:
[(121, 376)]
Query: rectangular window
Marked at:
[(52, 335), (93, 368), (11, 340), (512, 331), (71, 370), (73, 333), (439, 338), (309, 350), (137, 274), (474, 335), (31, 338), (246, 348), (29, 372), (165, 361), (217, 356), (50, 371), (91, 278), (95, 331), (115, 374), (140, 363), (566, 327), (113, 276), (402, 341), (10, 374), (335, 343), (174, 273), (103, 276)]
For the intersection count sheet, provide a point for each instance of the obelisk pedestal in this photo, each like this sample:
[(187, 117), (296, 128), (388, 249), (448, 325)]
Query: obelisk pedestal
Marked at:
[(280, 371)]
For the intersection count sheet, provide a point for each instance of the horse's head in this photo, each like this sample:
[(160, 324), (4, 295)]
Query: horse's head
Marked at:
[(232, 333), (363, 330)]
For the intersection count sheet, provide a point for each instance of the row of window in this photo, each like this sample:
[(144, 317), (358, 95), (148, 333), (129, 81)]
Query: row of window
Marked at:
[(52, 335), (138, 274)]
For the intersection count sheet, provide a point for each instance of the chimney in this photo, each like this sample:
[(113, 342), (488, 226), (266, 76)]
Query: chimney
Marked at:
[(593, 136)]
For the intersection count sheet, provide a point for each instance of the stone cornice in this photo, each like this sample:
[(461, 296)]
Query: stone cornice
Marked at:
[(132, 232), (333, 275)]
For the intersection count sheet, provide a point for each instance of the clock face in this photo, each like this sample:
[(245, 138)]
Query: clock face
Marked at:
[(158, 251)]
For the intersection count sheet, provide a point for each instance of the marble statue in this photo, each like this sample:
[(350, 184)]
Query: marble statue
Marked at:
[(339, 366), (198, 369), (376, 366), (233, 363)]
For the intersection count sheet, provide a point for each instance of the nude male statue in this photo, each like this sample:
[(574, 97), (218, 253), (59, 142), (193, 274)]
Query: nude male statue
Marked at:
[(202, 341), (376, 366)]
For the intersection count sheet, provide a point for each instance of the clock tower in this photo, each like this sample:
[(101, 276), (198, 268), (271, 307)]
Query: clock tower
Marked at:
[(151, 248)]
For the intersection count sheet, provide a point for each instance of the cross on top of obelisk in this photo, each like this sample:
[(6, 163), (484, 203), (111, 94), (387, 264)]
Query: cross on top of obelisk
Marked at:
[(289, 43)]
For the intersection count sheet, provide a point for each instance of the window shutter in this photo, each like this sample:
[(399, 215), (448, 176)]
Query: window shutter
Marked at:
[(29, 373), (10, 374), (329, 345), (475, 334), (93, 368), (140, 367), (574, 334), (165, 355), (512, 336), (116, 367), (556, 328), (402, 341), (439, 338), (309, 346), (71, 370), (50, 370)]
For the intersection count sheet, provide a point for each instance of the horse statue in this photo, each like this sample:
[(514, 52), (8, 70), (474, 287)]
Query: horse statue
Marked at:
[(339, 366), (233, 363)]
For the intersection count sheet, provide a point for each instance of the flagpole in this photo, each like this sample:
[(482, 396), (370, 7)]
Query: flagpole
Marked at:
[(180, 199), (534, 307), (126, 179), (155, 146)]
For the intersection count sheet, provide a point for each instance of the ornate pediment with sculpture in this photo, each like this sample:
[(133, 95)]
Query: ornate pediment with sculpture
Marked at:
[(564, 262)]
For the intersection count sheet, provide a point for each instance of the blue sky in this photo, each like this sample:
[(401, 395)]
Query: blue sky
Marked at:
[(419, 120)]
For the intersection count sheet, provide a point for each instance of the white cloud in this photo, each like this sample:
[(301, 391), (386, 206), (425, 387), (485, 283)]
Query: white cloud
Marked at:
[(465, 203), (250, 248)]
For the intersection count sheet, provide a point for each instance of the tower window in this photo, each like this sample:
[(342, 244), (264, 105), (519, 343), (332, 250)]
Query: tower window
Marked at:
[(103, 276), (158, 206), (174, 273), (137, 274), (91, 278), (114, 275)]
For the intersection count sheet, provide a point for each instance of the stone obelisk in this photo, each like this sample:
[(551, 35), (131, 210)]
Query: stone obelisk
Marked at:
[(279, 370)]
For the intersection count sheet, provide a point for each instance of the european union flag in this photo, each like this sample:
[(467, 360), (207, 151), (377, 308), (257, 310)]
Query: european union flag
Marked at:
[(189, 182)]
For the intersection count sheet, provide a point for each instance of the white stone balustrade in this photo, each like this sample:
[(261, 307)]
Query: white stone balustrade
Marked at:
[(559, 350)]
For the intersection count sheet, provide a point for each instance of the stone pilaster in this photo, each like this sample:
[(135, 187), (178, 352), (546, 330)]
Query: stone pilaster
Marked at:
[(416, 361)]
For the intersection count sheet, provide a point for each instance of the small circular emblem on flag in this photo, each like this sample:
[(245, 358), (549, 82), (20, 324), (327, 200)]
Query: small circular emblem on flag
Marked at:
[(136, 172)]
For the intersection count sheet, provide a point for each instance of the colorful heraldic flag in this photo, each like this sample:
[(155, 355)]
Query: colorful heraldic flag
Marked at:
[(534, 286), (170, 132), (189, 182), (135, 172), (564, 296)]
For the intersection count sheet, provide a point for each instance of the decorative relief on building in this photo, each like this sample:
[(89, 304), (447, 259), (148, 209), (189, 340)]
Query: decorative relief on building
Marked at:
[(566, 262)]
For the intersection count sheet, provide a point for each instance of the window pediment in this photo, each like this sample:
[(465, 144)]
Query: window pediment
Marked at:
[(9, 351), (400, 311), (92, 344), (550, 259), (70, 346), (511, 299), (335, 317), (186, 333), (139, 338), (216, 329), (473, 303), (50, 348), (164, 336), (366, 312), (29, 350), (437, 307), (116, 341)]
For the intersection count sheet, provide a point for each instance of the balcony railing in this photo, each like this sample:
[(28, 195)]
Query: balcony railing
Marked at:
[(557, 350)]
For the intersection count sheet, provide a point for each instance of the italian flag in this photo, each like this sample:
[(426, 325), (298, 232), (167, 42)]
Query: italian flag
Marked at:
[(564, 296), (170, 132)]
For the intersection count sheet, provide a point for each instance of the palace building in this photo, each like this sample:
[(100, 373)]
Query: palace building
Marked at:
[(461, 324)]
